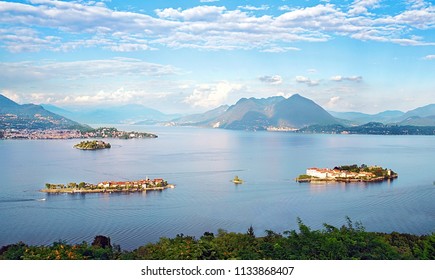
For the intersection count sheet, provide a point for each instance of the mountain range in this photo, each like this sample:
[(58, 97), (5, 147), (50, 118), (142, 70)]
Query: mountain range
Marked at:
[(266, 113), (422, 116), (296, 112), (124, 114), (273, 113), (30, 116)]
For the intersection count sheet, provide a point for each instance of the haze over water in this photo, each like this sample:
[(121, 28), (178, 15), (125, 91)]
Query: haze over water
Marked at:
[(201, 163)]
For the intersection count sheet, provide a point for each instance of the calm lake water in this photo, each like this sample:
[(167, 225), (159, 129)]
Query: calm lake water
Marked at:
[(201, 163)]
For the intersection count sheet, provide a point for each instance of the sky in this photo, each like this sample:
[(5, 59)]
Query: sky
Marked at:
[(188, 56)]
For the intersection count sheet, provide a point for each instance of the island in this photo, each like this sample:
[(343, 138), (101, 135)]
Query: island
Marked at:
[(92, 145), (112, 132), (109, 187), (348, 173)]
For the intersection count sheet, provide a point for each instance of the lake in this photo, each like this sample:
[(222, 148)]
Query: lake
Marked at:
[(201, 163)]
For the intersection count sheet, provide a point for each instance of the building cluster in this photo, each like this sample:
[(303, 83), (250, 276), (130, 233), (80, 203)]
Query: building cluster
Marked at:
[(40, 134), (9, 133), (147, 183), (326, 173), (111, 132)]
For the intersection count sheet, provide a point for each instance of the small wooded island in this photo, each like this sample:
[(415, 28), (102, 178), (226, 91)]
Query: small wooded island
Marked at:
[(348, 173), (92, 145), (109, 187)]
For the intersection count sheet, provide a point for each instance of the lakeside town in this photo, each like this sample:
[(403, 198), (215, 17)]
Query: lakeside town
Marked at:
[(46, 134), (109, 186), (348, 174)]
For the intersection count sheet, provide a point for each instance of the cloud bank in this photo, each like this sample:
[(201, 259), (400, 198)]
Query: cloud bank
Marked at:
[(65, 26)]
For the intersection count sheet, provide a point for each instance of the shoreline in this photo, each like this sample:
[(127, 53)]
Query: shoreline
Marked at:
[(345, 180)]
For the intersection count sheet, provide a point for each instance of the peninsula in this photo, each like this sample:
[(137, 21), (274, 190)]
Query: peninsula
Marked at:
[(101, 132), (92, 145), (109, 187), (347, 173)]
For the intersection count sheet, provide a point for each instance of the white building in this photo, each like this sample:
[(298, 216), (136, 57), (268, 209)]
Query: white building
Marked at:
[(322, 173)]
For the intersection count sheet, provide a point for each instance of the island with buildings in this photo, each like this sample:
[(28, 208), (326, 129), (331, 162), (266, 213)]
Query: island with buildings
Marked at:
[(109, 186), (92, 145), (347, 174)]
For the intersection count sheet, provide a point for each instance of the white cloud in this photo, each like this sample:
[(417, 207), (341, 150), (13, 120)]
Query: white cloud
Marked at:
[(341, 104), (200, 13), (274, 80), (362, 6), (212, 95), (422, 18), (118, 96), (306, 16), (416, 4), (307, 81), (253, 8), (429, 57), (339, 78), (277, 49), (283, 94), (284, 8), (11, 95), (208, 1), (333, 101), (30, 70)]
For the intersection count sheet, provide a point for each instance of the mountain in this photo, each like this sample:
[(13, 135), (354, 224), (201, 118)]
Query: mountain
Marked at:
[(266, 113), (419, 121), (30, 116), (248, 114), (58, 110), (422, 112), (201, 119), (422, 116), (361, 118), (298, 111), (131, 113)]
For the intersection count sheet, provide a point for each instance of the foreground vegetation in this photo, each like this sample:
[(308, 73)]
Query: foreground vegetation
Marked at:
[(331, 243)]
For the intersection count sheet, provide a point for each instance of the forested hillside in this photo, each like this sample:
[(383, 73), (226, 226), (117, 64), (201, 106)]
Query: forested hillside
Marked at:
[(347, 242)]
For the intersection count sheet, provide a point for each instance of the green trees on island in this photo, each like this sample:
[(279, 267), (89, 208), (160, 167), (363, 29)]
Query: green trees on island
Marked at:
[(92, 145), (350, 241)]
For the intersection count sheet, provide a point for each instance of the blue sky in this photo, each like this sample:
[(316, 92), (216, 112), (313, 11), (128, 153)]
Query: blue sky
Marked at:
[(191, 56)]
